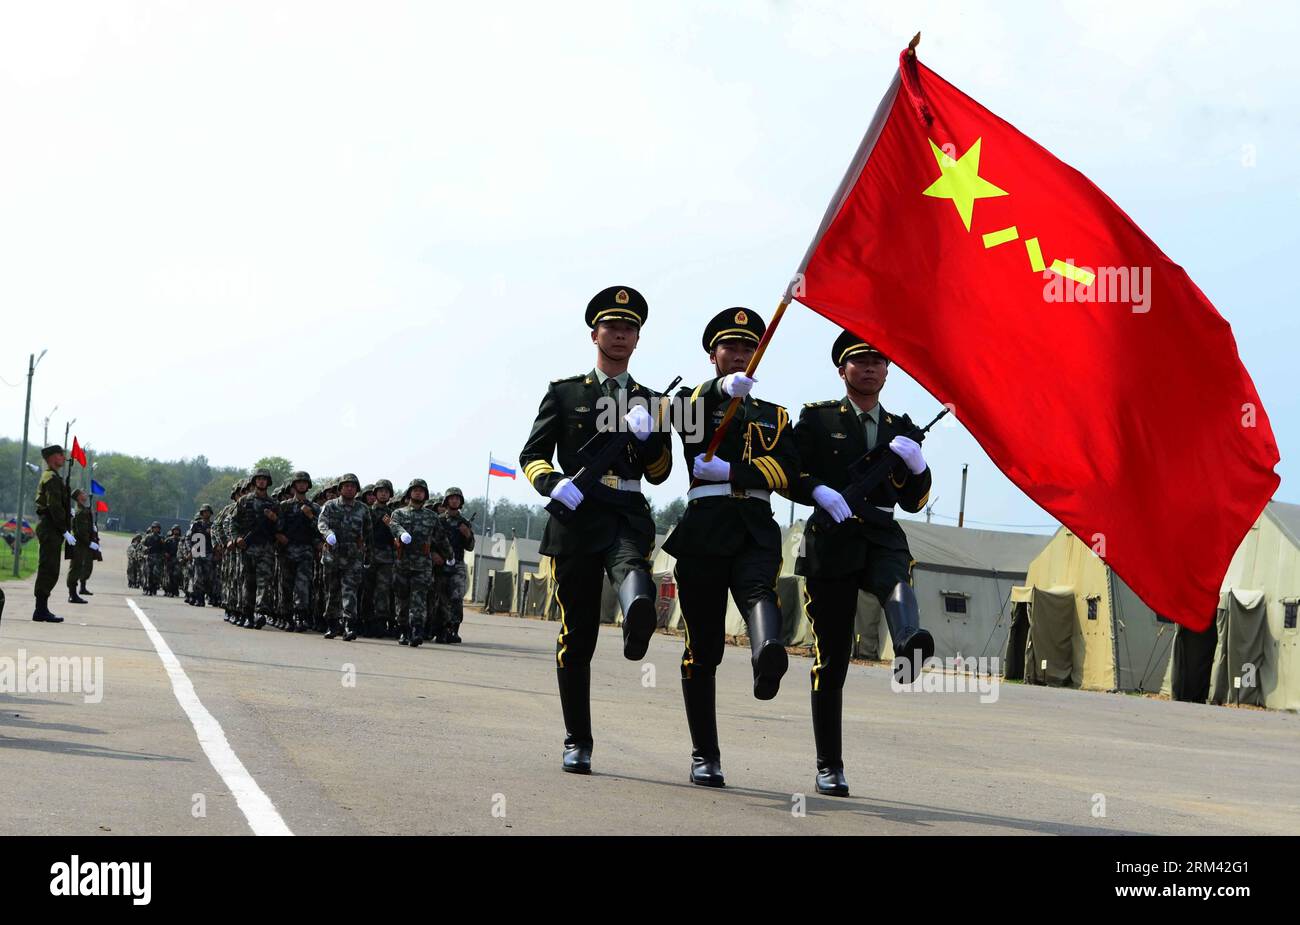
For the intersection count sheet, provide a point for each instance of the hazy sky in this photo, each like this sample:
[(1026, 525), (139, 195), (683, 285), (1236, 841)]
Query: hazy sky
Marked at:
[(362, 236)]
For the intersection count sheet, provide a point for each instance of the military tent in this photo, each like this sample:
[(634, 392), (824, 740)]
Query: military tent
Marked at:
[(1251, 654), (1075, 623)]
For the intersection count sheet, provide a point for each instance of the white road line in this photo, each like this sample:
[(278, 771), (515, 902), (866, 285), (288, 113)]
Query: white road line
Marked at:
[(256, 806)]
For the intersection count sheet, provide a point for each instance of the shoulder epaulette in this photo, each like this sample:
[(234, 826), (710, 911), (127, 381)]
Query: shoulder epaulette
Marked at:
[(822, 404), (568, 379)]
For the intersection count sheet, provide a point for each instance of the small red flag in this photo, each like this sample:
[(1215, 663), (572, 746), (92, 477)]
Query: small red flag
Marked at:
[(78, 453), (101, 507), (1090, 368)]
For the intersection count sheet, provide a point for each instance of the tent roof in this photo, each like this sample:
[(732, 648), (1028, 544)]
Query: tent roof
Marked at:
[(938, 545), (1287, 517)]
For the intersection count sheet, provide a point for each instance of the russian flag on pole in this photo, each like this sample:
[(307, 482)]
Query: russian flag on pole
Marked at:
[(498, 468)]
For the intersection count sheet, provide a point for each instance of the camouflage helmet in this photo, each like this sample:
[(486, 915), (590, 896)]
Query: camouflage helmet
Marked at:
[(453, 490), (384, 483), (205, 507), (137, 538), (258, 473), (349, 477), (176, 528), (236, 489), (300, 476), (155, 524), (437, 500), (367, 490), (416, 483)]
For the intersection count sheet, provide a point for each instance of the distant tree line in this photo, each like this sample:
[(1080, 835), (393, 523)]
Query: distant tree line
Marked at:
[(142, 489)]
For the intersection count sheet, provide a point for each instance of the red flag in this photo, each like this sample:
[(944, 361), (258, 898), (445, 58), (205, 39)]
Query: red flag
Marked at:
[(101, 507), (1110, 392), (78, 453)]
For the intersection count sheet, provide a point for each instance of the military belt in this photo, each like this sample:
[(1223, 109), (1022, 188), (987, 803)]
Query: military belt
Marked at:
[(725, 489), (618, 484)]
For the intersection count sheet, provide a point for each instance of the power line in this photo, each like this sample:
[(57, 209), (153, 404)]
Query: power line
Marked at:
[(990, 523)]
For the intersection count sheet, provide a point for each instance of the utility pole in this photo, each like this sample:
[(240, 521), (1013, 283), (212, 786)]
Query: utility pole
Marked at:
[(961, 510), (45, 440), (32, 360)]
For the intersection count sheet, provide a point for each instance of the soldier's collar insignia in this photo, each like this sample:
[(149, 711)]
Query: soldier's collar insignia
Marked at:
[(889, 419), (621, 297), (840, 436), (741, 317), (587, 381), (844, 409)]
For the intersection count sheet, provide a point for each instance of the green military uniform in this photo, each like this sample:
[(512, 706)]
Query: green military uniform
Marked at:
[(611, 532), (866, 552), (53, 503), (81, 555), (728, 541), (452, 578)]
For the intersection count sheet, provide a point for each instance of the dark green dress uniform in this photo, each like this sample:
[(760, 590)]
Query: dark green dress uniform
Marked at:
[(81, 555), (53, 507), (859, 554), (611, 533), (728, 541)]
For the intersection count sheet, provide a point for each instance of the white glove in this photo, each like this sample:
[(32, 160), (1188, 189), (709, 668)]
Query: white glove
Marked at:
[(406, 538), (639, 422), (832, 502), (737, 385), (95, 547), (567, 494), (331, 538), (711, 470), (910, 451), (70, 539)]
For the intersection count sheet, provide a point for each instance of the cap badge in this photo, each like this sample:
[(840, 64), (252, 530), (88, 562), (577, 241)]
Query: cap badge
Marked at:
[(742, 318), (621, 297)]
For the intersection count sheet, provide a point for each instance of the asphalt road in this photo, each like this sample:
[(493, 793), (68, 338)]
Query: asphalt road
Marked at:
[(319, 736)]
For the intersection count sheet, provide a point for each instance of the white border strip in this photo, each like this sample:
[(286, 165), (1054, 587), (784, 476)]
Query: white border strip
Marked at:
[(256, 806)]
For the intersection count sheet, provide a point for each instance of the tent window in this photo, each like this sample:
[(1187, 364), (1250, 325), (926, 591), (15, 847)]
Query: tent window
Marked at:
[(1092, 608), (1289, 618), (954, 603)]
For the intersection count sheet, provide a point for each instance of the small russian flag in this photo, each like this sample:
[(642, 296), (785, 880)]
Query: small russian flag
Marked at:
[(498, 468)]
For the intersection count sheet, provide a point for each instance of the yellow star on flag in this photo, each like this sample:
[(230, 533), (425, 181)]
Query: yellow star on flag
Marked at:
[(961, 181)]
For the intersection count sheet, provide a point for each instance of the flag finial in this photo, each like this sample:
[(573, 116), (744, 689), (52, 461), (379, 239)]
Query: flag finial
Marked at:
[(911, 46)]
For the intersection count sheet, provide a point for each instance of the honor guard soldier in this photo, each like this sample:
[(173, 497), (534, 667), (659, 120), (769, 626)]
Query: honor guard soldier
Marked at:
[(866, 551), (611, 531), (54, 508), (727, 540)]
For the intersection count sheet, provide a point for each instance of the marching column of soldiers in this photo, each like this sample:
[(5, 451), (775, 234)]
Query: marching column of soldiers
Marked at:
[(727, 541), (349, 560)]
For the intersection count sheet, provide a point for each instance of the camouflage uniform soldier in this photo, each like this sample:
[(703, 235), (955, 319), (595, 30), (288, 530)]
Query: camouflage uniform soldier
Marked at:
[(453, 577), (298, 520), (423, 543), (199, 541), (133, 562), (153, 547), (382, 558), (171, 562), (256, 534), (230, 556), (345, 524), (84, 532)]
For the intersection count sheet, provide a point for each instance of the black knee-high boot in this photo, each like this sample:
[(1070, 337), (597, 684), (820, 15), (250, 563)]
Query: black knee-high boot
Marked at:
[(699, 694), (575, 702), (827, 710), (767, 649), (636, 597)]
